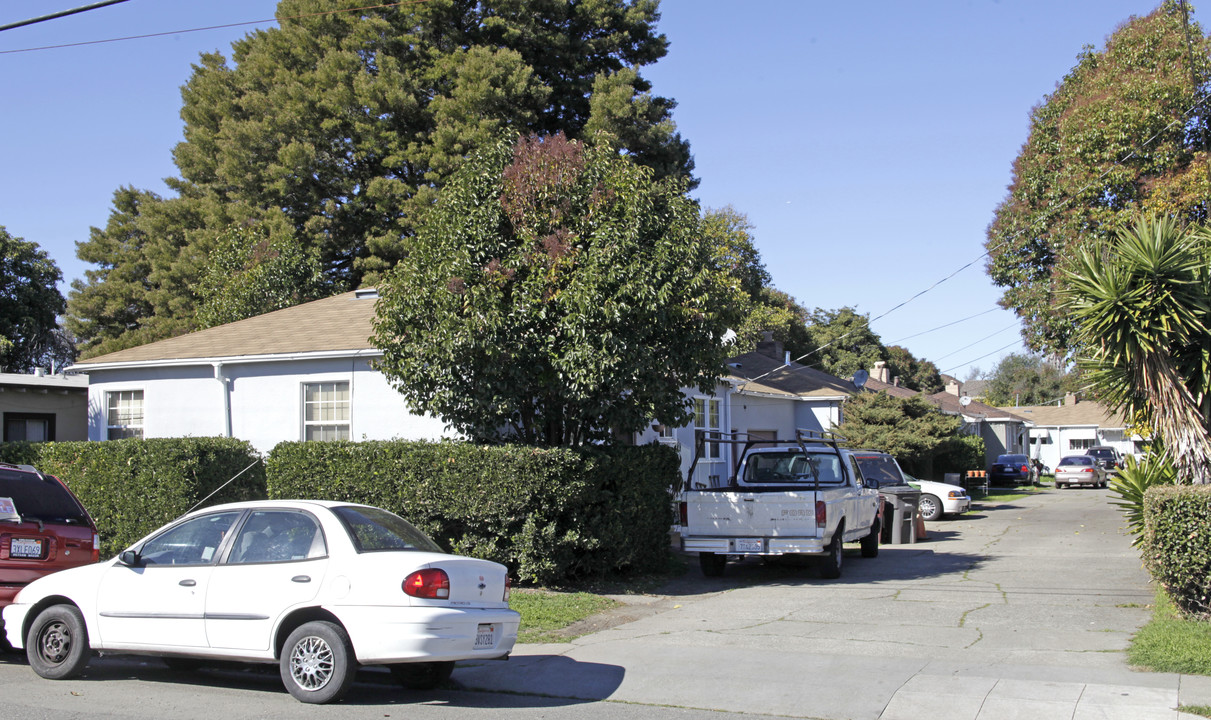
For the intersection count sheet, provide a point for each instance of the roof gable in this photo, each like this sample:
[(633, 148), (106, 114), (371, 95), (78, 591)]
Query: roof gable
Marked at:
[(335, 324), (758, 373)]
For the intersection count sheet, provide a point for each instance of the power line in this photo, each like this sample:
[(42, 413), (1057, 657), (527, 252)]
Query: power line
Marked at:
[(61, 13), (994, 352), (1045, 215), (210, 27), (940, 327), (977, 342)]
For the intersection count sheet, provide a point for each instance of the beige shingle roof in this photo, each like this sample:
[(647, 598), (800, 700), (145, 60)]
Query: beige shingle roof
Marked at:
[(335, 324), (778, 378), (1082, 413)]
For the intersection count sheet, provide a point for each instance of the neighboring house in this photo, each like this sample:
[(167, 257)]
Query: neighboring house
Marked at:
[(1002, 431), (1074, 427), (43, 408), (763, 395), (302, 373)]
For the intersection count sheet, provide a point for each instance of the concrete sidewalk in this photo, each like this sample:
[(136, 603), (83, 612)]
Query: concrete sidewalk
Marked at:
[(1015, 611)]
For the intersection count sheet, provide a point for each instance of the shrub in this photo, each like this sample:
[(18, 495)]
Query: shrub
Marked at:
[(131, 487), (1177, 545), (1132, 482), (548, 514), (959, 454)]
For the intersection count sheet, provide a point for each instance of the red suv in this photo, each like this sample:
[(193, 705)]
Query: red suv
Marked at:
[(43, 528)]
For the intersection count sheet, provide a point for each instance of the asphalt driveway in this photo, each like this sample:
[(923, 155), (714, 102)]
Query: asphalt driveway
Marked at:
[(1018, 610)]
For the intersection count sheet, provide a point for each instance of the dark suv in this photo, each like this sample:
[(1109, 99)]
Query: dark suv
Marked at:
[(1105, 456), (43, 529)]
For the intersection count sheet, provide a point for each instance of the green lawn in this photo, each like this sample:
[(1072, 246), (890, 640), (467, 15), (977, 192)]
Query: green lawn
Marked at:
[(1170, 643), (546, 613)]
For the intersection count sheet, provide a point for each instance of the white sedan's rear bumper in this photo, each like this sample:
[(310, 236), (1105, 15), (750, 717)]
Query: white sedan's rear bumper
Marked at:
[(394, 634)]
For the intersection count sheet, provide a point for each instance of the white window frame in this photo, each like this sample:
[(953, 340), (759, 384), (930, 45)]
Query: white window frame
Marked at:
[(708, 410), (121, 427), (1078, 444), (335, 414)]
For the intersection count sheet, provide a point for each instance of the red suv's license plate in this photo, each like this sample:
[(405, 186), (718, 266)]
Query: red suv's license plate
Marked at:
[(25, 548)]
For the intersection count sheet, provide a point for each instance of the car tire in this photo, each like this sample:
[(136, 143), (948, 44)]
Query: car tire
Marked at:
[(930, 506), (1059, 485), (57, 643), (318, 664), (870, 543), (834, 556), (422, 676), (712, 564)]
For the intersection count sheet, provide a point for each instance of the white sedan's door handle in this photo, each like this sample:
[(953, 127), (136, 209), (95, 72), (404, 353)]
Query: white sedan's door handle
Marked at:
[(188, 583), (301, 579)]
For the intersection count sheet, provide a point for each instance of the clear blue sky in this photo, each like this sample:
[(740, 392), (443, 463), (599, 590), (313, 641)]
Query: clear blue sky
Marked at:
[(867, 143)]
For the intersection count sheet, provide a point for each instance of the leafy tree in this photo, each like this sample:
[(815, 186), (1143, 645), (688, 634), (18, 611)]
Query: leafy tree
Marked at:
[(1142, 306), (556, 294), (914, 373), (1124, 130), (29, 302), (1027, 379), (252, 274), (845, 341), (762, 306), (911, 429), (342, 124)]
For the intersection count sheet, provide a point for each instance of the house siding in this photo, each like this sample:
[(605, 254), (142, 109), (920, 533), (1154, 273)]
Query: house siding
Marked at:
[(265, 401)]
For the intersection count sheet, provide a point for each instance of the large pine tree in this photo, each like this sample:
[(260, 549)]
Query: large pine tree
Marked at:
[(338, 128)]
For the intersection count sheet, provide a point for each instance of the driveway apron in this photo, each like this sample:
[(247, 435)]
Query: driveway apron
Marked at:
[(1022, 609)]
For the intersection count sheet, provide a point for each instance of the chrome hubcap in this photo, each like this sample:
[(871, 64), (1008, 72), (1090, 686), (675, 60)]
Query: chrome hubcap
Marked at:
[(311, 663)]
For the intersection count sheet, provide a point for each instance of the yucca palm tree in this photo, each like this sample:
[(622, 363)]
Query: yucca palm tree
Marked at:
[(1142, 307)]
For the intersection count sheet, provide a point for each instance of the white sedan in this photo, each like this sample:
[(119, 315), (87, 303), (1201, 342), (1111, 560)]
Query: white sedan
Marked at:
[(940, 499), (316, 587)]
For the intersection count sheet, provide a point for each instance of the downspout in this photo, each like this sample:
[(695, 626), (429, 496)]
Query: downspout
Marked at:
[(218, 375)]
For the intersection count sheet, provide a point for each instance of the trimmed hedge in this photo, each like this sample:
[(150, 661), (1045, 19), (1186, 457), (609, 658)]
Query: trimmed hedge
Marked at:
[(1177, 544), (132, 487), (548, 514)]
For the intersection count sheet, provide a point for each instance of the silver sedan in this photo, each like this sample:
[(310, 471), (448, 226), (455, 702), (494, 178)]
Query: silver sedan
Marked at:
[(1079, 470)]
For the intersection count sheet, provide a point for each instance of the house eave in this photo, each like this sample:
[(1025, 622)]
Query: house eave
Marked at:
[(224, 360)]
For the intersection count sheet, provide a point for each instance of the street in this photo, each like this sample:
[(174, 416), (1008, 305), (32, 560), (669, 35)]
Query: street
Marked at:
[(1015, 610)]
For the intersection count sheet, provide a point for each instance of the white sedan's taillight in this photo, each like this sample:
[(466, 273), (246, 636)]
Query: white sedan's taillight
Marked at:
[(430, 583), (96, 552)]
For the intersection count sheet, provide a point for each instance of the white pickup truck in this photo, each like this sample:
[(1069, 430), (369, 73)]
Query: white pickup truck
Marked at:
[(788, 497)]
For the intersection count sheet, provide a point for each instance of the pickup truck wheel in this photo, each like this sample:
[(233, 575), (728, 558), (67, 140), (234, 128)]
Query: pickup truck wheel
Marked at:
[(833, 555), (712, 563), (870, 543)]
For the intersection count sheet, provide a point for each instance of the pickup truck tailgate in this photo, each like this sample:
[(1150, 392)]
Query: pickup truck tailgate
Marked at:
[(749, 514)]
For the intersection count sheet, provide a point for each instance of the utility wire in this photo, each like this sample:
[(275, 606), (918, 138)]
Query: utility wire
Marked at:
[(61, 13), (1045, 215), (976, 342), (211, 27), (940, 327), (994, 352)]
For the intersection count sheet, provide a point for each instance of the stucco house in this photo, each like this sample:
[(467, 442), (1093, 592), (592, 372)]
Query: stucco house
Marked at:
[(1073, 427), (302, 373), (1003, 431), (763, 395), (43, 408)]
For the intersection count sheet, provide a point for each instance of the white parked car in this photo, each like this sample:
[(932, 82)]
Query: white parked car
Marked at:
[(316, 587), (939, 499)]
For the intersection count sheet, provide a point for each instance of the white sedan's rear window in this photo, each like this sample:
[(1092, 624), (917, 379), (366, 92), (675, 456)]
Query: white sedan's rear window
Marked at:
[(375, 530)]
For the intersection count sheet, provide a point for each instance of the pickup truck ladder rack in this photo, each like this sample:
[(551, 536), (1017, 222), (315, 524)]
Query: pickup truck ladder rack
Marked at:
[(802, 438)]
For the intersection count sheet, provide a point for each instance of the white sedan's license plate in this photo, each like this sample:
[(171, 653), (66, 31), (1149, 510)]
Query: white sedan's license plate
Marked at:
[(748, 545), (485, 637), (25, 548)]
